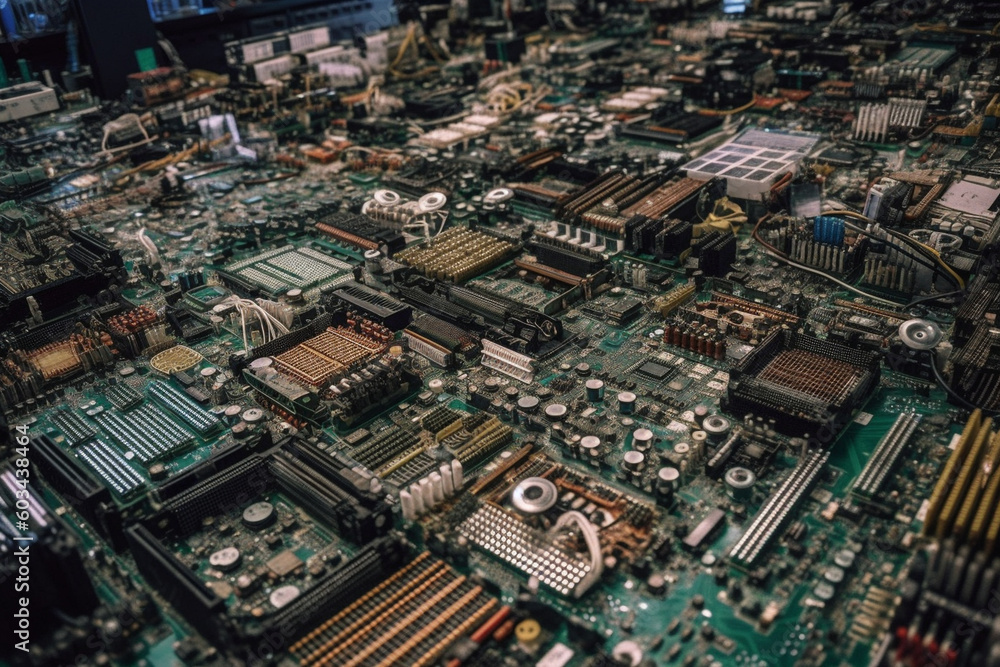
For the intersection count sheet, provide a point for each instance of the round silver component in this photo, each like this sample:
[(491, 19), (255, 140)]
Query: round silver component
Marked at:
[(667, 478), (259, 515), (844, 558), (595, 390), (739, 483), (498, 195), (590, 445), (716, 426), (834, 574), (386, 197), (556, 411), (282, 596), (824, 591), (642, 439), (253, 415), (225, 559), (920, 334), (527, 404), (431, 201), (626, 402), (232, 410), (627, 651), (534, 495), (633, 460), (261, 362)]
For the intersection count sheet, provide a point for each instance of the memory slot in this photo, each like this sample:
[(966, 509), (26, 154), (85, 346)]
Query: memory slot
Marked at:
[(376, 306), (410, 618), (152, 418), (409, 467), (442, 333), (123, 396), (195, 416), (486, 440), (73, 426), (112, 466), (778, 509), (336, 590), (525, 548), (438, 418), (436, 304), (885, 456), (429, 349), (383, 447), (508, 362), (143, 446)]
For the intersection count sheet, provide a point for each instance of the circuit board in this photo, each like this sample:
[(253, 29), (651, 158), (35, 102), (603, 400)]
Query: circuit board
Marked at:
[(630, 337)]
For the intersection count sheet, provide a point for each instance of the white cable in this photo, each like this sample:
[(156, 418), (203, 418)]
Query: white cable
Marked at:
[(593, 541), (151, 250)]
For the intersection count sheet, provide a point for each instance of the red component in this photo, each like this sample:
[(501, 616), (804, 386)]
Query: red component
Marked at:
[(487, 628)]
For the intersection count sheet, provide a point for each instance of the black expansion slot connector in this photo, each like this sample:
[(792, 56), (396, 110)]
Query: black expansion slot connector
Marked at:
[(376, 306)]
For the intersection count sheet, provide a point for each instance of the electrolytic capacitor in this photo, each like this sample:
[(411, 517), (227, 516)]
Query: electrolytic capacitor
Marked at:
[(633, 461), (626, 403), (595, 390), (667, 479), (642, 439), (590, 447)]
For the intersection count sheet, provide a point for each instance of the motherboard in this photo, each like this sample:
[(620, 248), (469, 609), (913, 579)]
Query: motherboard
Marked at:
[(627, 334)]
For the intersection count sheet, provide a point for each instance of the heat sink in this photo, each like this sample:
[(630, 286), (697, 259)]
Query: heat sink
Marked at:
[(333, 352), (410, 618), (457, 254), (806, 384)]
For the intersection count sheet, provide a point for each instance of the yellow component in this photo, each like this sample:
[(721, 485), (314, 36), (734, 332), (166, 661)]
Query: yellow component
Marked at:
[(726, 216), (974, 497), (944, 482), (674, 298), (984, 513), (175, 359), (946, 522), (528, 630)]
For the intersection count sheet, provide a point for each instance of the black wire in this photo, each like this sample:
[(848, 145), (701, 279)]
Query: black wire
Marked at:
[(913, 252), (934, 297), (954, 394)]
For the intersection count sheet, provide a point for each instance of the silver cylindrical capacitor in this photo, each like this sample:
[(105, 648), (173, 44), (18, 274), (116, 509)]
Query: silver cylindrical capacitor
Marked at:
[(595, 390), (527, 404), (418, 499), (667, 479), (555, 411), (590, 447), (437, 487), (739, 483), (642, 439), (626, 402), (406, 505), (446, 479), (427, 493), (633, 461), (716, 427)]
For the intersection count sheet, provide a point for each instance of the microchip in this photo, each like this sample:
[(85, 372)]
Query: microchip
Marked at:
[(839, 156), (654, 371), (197, 394), (284, 564)]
